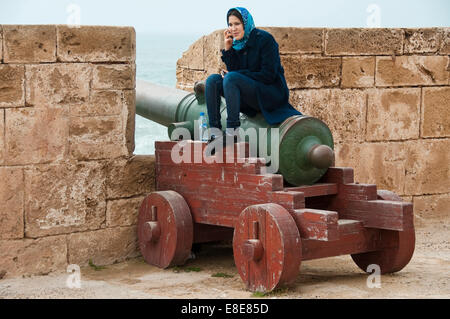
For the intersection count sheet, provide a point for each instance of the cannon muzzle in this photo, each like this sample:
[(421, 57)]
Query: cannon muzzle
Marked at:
[(305, 143)]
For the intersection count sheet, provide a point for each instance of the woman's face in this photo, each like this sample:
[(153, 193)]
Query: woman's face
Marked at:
[(236, 27)]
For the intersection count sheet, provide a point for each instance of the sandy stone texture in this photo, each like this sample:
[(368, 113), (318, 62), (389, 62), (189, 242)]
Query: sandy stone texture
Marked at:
[(426, 40), (427, 167), (12, 85), (413, 167), (186, 78), (12, 205), (363, 41), (132, 177), (436, 112), (64, 198), (96, 44), (1, 44), (358, 72), (2, 136), (123, 212), (29, 43), (311, 72), (298, 40), (344, 111), (36, 135), (57, 84), (103, 247), (99, 137), (33, 257), (129, 107), (114, 76), (445, 43), (431, 209), (100, 103), (411, 70), (192, 58), (382, 164), (393, 114), (212, 52)]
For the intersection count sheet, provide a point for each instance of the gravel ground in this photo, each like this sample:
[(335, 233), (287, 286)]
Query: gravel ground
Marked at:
[(212, 274)]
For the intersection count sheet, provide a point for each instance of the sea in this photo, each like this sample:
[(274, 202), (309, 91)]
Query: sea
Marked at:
[(156, 58)]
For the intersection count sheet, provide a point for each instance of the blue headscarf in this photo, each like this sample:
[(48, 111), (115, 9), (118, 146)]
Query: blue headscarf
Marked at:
[(249, 25)]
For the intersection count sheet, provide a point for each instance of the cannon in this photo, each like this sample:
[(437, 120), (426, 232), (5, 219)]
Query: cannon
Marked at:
[(305, 143), (273, 225)]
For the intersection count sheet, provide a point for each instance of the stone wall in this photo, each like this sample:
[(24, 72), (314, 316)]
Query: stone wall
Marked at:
[(70, 186), (384, 93)]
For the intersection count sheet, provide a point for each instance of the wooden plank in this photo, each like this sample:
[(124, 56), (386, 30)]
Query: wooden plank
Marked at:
[(382, 214), (349, 226), (339, 175), (366, 240), (317, 224), (320, 189)]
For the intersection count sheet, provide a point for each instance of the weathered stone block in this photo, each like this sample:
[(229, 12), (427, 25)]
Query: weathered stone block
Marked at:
[(445, 43), (131, 177), (363, 41), (427, 167), (358, 72), (431, 209), (426, 40), (103, 247), (344, 111), (212, 52), (123, 212), (57, 84), (186, 78), (311, 72), (2, 136), (393, 114), (12, 85), (436, 112), (29, 43), (33, 257), (382, 164), (100, 137), (64, 198), (192, 58), (100, 103), (298, 40), (114, 76), (11, 199), (129, 100), (96, 44), (1, 44), (411, 70), (36, 135)]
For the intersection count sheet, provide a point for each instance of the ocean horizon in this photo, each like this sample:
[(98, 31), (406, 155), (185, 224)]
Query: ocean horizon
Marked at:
[(156, 58)]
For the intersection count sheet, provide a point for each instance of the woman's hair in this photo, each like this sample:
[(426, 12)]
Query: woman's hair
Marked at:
[(235, 13)]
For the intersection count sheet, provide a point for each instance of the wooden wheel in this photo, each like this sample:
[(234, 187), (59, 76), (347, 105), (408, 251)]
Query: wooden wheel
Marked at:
[(267, 247), (165, 229), (400, 246)]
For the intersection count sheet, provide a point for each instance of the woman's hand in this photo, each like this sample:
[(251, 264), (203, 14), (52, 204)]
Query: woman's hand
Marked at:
[(228, 39)]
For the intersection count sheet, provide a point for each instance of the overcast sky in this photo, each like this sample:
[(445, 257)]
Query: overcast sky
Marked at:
[(205, 16)]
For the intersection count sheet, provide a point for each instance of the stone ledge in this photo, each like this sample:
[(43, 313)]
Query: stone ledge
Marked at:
[(33, 256), (29, 43), (103, 247), (355, 41), (96, 44)]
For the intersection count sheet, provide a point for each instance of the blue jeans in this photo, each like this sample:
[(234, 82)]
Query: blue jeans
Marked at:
[(237, 89)]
